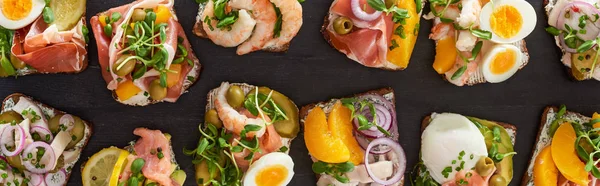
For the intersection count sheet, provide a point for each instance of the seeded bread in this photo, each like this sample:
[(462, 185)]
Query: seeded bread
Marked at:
[(12, 99), (543, 138), (387, 93)]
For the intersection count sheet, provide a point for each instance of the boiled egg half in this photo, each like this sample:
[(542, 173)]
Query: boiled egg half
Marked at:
[(508, 20), (501, 62), (15, 14), (273, 169), (451, 140)]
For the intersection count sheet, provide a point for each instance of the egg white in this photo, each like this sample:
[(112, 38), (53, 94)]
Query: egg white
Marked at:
[(37, 6), (442, 141), (489, 57), (274, 158), (523, 7)]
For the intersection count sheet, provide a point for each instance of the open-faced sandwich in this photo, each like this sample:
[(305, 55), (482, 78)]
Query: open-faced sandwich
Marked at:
[(42, 37), (480, 41), (374, 33), (575, 26), (149, 161), (39, 145), (462, 150), (246, 137), (143, 52), (353, 141), (566, 150), (249, 25)]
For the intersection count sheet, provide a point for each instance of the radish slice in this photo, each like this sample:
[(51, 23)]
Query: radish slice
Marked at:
[(361, 14), (56, 179), (400, 166), (45, 134), (36, 162), (7, 138)]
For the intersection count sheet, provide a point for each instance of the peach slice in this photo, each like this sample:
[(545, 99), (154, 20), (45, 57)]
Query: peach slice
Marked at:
[(545, 172), (565, 157), (320, 142), (340, 125)]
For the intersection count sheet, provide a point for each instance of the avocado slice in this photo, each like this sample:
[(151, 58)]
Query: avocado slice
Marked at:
[(286, 128), (179, 176), (505, 167)]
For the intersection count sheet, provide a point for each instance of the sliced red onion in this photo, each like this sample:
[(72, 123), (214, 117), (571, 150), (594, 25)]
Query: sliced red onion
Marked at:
[(56, 179), (68, 121), (400, 166), (361, 14), (386, 103), (48, 160), (364, 143), (43, 132), (36, 179), (8, 138), (575, 10), (384, 120)]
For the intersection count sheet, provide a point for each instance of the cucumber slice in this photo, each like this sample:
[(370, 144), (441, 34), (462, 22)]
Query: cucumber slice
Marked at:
[(67, 13)]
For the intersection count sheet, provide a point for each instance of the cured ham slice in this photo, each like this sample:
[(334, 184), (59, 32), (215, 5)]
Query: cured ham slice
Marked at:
[(48, 50)]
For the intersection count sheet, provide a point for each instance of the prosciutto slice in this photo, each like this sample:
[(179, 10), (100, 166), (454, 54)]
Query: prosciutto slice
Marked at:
[(108, 48), (368, 42), (49, 50)]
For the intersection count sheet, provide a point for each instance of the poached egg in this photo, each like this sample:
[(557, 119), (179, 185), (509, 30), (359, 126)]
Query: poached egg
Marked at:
[(273, 169), (508, 20), (451, 141), (16, 14)]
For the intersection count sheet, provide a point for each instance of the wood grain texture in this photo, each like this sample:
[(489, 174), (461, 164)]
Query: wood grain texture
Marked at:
[(309, 72)]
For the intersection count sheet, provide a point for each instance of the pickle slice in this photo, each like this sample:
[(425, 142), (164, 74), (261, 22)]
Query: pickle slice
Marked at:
[(67, 13), (287, 128), (581, 64)]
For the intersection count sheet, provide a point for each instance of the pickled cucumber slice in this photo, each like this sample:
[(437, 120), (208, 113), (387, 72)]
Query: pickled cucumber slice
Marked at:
[(10, 116), (76, 133), (286, 128), (581, 64), (67, 13)]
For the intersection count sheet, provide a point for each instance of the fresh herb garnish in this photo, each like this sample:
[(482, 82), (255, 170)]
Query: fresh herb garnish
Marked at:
[(277, 27), (336, 170), (363, 122), (474, 53), (259, 104)]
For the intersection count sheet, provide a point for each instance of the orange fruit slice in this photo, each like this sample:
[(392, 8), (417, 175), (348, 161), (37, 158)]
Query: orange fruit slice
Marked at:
[(596, 116), (340, 125), (445, 55), (545, 172), (565, 157), (320, 142)]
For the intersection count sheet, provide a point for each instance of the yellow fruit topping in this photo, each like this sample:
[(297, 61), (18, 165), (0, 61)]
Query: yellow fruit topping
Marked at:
[(320, 142), (445, 55), (400, 55), (126, 90), (340, 125), (545, 172), (565, 157)]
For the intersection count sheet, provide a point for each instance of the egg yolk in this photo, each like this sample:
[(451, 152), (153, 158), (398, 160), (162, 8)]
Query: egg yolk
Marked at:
[(271, 175), (506, 21), (503, 62), (16, 9)]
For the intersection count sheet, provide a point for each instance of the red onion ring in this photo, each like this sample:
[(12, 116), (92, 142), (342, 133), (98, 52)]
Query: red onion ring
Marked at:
[(48, 156), (43, 132), (384, 120), (364, 143), (584, 8), (7, 137), (400, 166), (36, 179), (56, 179), (361, 14), (68, 121), (386, 103)]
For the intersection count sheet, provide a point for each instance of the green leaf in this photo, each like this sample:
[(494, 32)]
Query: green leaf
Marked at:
[(595, 172), (476, 50), (229, 20), (345, 167), (446, 20), (378, 5), (141, 70), (115, 16), (277, 27), (496, 134), (320, 167), (163, 34), (587, 45), (459, 72), (237, 149), (341, 178), (419, 6), (163, 79), (137, 165), (202, 146), (252, 128), (553, 30), (6, 65), (483, 34), (283, 149), (561, 111)]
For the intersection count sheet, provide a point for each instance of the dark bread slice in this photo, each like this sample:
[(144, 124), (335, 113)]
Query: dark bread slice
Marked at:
[(506, 126), (527, 177), (191, 56), (17, 96), (382, 91)]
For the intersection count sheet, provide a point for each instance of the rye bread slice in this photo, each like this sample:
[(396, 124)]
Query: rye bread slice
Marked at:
[(191, 78), (510, 129), (12, 99), (327, 37), (543, 139), (386, 92)]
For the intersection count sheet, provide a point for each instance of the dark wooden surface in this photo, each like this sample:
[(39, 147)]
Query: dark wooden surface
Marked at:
[(312, 71)]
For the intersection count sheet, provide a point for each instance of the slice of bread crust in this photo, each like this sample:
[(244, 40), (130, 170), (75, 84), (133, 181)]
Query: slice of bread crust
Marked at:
[(191, 78), (542, 139), (382, 92), (510, 129), (16, 96)]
